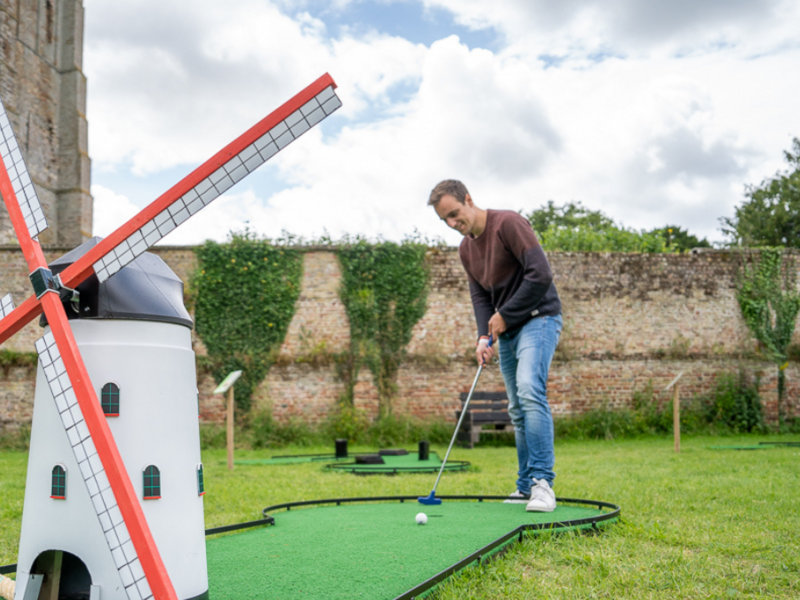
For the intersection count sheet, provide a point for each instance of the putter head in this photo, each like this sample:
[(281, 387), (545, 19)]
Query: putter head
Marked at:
[(429, 500)]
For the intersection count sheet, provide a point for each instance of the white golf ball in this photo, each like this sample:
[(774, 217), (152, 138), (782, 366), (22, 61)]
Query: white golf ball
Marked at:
[(421, 518)]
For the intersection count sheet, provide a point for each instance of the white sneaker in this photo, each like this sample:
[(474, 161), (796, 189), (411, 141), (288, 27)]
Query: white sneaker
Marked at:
[(517, 497), (543, 499)]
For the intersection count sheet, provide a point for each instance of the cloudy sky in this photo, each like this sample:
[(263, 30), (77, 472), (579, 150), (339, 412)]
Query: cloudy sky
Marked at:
[(653, 112)]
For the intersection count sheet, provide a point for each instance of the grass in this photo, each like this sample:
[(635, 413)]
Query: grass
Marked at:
[(700, 524)]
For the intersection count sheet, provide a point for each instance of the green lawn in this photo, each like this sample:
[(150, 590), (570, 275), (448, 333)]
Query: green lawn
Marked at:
[(700, 524)]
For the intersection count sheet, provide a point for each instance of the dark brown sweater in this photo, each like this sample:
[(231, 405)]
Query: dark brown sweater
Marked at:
[(508, 272)]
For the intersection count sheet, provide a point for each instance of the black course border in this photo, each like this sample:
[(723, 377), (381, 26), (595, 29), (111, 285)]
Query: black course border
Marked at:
[(237, 526), (322, 456), (779, 443), (478, 555), (454, 466)]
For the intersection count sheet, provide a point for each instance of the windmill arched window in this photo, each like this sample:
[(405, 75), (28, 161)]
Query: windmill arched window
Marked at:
[(109, 400), (152, 483), (58, 483), (201, 486)]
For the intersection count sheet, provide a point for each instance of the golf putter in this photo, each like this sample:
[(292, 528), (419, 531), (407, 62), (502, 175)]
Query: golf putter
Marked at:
[(432, 500)]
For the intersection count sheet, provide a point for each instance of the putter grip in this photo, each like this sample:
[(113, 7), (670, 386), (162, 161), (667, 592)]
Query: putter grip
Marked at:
[(489, 345)]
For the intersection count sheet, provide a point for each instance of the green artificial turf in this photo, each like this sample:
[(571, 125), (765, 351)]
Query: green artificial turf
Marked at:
[(373, 550)]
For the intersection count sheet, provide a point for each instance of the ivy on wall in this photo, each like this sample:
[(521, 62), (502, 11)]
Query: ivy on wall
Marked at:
[(244, 297), (384, 289), (769, 301)]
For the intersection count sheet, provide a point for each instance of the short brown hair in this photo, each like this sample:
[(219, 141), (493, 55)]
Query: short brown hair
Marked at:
[(448, 187)]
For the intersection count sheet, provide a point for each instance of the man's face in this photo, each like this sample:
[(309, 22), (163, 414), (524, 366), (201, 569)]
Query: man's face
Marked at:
[(460, 217)]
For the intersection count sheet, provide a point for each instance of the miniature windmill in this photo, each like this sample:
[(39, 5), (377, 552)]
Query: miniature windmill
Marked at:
[(141, 569)]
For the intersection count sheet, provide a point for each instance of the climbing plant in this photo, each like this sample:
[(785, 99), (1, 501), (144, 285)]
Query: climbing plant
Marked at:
[(384, 289), (769, 301), (10, 359), (244, 296)]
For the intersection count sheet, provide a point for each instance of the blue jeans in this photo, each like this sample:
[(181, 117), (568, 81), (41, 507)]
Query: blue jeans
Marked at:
[(525, 357)]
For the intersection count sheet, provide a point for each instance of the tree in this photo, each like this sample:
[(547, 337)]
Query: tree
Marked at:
[(768, 298), (575, 228), (771, 215), (679, 239), (613, 239), (570, 216)]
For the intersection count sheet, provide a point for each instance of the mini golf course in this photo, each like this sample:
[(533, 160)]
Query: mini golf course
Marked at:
[(392, 464), (372, 547), (380, 462)]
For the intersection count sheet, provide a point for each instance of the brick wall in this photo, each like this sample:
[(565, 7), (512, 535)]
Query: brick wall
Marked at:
[(629, 320)]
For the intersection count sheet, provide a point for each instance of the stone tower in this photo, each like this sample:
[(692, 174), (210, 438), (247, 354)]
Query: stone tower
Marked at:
[(44, 92)]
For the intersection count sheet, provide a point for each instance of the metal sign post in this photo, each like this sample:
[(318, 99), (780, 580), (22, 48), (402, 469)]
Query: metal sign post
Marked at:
[(227, 386)]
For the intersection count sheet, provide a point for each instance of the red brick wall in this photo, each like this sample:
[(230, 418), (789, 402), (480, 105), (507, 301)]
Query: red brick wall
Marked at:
[(629, 319)]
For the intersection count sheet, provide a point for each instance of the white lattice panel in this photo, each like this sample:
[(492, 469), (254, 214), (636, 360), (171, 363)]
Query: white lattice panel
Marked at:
[(210, 188), (20, 178), (6, 306)]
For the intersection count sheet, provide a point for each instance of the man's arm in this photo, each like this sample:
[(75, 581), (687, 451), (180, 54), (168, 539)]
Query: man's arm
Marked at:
[(482, 305), (537, 275)]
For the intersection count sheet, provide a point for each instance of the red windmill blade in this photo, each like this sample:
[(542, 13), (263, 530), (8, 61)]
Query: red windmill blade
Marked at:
[(192, 193), (129, 538)]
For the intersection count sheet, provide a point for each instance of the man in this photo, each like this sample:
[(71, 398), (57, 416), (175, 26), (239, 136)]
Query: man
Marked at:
[(516, 304)]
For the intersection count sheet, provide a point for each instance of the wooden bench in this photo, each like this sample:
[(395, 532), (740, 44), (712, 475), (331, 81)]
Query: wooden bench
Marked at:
[(487, 413)]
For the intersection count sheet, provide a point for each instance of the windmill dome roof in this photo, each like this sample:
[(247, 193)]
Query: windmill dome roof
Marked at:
[(145, 290)]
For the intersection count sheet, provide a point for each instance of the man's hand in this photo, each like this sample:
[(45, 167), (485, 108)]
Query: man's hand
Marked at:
[(497, 325), (484, 352)]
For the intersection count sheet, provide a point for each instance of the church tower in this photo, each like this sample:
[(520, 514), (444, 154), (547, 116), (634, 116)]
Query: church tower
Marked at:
[(44, 91)]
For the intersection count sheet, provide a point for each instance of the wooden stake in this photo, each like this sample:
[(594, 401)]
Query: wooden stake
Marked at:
[(676, 410), (676, 416), (227, 386), (52, 582), (230, 428)]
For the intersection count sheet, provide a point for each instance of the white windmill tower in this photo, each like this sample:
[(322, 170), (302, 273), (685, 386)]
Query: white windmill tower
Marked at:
[(134, 335), (134, 551)]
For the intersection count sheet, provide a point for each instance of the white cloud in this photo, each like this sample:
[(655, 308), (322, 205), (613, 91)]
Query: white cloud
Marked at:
[(474, 118), (699, 101), (574, 29), (110, 210), (230, 212), (177, 98), (622, 121), (175, 93)]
